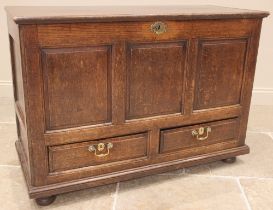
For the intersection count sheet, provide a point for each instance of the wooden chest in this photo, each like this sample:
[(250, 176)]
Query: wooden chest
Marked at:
[(105, 94)]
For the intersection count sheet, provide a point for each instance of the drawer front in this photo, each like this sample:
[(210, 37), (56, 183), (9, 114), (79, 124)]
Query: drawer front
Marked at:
[(198, 135), (93, 153)]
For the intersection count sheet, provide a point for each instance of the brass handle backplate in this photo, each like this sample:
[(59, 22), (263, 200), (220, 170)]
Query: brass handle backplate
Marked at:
[(159, 28), (99, 148), (199, 133)]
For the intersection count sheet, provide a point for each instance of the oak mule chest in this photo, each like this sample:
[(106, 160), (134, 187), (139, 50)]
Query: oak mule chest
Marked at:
[(106, 94)]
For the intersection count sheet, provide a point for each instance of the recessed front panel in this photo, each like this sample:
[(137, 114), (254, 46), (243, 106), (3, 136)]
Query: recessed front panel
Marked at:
[(77, 86), (155, 74), (220, 70)]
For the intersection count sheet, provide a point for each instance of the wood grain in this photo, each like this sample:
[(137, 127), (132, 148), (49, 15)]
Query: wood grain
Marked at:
[(74, 156), (77, 81), (155, 77), (83, 79), (69, 35), (181, 138), (43, 15), (221, 66), (54, 189)]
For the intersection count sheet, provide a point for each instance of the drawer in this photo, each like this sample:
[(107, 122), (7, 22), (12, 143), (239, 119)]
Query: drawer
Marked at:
[(93, 153), (198, 135)]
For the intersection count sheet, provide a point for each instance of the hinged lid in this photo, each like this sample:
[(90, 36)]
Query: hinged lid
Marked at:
[(40, 15)]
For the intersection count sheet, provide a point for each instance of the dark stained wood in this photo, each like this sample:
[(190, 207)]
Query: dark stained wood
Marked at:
[(176, 139), (229, 160), (77, 81), (118, 82), (221, 66), (72, 156), (155, 77), (34, 15), (77, 184), (18, 89), (45, 201), (69, 35), (136, 126), (87, 172), (249, 78), (17, 76), (34, 103), (105, 77)]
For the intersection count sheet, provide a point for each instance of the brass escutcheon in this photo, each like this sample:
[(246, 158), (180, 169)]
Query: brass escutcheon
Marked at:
[(198, 133), (159, 28), (100, 147)]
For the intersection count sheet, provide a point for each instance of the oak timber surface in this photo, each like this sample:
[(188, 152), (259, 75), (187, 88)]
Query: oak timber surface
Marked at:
[(108, 94), (42, 14)]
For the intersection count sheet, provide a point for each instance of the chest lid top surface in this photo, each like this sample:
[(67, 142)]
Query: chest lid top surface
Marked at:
[(57, 14)]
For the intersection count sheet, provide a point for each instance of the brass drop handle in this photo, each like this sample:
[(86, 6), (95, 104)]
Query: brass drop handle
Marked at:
[(200, 132), (100, 147), (159, 28)]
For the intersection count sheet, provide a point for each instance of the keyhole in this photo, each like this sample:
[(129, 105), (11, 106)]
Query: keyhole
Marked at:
[(101, 146), (158, 28), (201, 131)]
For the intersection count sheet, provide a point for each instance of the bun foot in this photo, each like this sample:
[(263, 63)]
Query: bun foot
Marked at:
[(229, 160), (45, 201)]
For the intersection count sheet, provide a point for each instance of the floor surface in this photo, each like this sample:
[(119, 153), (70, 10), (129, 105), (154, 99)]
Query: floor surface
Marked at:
[(244, 185)]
